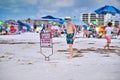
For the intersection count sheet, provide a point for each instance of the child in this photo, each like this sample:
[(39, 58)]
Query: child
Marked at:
[(108, 31)]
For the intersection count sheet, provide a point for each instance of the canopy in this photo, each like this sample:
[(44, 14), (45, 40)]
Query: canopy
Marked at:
[(48, 17), (51, 18), (107, 9)]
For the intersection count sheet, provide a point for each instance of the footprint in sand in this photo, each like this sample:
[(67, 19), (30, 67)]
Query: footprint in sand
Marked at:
[(6, 56), (25, 62)]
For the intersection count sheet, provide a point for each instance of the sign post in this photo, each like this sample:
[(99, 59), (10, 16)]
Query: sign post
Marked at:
[(46, 42)]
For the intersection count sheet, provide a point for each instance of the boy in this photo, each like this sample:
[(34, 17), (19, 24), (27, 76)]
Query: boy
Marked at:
[(108, 31)]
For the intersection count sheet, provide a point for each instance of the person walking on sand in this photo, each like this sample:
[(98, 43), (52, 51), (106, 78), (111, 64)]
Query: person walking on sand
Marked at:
[(108, 31), (70, 37), (85, 31)]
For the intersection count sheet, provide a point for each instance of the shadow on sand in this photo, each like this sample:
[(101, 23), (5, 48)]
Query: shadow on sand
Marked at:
[(78, 52)]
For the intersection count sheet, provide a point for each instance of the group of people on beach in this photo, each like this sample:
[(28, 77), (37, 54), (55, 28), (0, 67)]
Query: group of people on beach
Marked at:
[(71, 32), (17, 27)]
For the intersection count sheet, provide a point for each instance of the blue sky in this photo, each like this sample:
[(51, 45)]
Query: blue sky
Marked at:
[(34, 9)]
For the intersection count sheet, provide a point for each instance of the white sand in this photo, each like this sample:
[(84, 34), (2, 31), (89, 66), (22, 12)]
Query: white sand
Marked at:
[(24, 61)]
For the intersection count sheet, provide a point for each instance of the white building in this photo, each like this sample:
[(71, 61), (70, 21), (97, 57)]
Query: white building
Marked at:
[(100, 19), (92, 17)]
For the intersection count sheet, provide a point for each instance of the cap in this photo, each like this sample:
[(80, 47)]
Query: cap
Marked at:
[(67, 18)]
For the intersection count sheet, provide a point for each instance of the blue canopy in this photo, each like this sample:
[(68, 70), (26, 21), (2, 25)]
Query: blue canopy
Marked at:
[(48, 17), (107, 9), (51, 18)]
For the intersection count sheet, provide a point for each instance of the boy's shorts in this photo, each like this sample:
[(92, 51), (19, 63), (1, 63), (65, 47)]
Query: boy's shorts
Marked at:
[(69, 38), (108, 39)]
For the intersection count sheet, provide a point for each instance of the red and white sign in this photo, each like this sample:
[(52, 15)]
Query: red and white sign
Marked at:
[(45, 39)]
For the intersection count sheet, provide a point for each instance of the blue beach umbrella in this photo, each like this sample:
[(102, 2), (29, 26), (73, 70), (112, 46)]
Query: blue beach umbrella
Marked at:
[(107, 9)]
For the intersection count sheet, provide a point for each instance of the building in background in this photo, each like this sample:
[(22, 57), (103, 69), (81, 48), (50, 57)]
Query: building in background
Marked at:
[(92, 17)]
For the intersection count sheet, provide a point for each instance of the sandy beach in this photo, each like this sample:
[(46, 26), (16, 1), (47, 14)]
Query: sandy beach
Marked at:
[(20, 59)]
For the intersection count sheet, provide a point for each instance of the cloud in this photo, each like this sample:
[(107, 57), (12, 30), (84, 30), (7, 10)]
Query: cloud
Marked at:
[(30, 2), (55, 4), (64, 3), (12, 1), (48, 11), (16, 10), (27, 2), (44, 12), (115, 3)]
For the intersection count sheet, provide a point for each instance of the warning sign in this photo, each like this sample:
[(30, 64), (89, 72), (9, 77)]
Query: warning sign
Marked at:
[(45, 39)]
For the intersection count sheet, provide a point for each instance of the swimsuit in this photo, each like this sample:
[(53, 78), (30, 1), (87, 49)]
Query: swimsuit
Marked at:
[(69, 38), (108, 38), (85, 27)]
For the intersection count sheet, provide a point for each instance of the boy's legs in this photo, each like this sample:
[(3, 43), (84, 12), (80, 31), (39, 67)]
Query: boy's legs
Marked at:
[(71, 51), (107, 45), (108, 42), (70, 43)]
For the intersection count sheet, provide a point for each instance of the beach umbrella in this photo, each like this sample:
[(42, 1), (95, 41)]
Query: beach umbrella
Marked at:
[(61, 21), (1, 22), (107, 9)]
